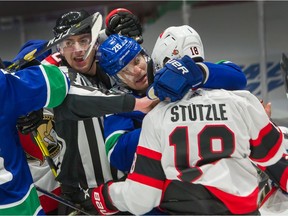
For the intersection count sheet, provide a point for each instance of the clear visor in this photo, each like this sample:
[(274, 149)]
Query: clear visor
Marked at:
[(79, 44), (128, 72)]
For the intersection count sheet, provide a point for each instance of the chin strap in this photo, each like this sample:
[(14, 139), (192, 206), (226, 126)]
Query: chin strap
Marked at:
[(150, 70), (93, 62)]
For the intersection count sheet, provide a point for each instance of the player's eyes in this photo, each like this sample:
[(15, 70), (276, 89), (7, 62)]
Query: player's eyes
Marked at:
[(68, 43), (84, 41), (137, 60)]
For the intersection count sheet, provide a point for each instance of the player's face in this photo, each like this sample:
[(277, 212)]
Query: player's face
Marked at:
[(73, 49), (135, 74)]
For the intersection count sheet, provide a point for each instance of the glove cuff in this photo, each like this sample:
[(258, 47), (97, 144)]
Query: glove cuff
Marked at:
[(113, 12), (205, 71), (101, 200), (195, 71), (151, 93)]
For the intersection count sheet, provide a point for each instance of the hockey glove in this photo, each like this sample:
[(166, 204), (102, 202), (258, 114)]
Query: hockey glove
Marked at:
[(101, 201), (175, 79), (30, 122), (122, 21)]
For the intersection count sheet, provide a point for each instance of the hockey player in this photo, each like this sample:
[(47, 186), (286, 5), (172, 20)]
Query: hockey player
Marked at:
[(42, 173), (42, 122), (78, 119), (22, 92), (167, 47), (130, 73), (85, 164), (154, 183), (199, 163), (53, 142)]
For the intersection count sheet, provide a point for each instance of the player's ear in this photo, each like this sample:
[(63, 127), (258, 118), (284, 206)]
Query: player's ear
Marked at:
[(59, 49)]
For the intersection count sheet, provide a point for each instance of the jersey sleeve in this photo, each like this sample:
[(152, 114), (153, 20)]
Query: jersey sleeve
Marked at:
[(225, 75), (266, 139), (35, 87), (121, 140), (278, 172), (143, 187), (86, 102)]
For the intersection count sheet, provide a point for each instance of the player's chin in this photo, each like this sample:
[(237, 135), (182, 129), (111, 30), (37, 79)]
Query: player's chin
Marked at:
[(80, 69), (142, 83), (141, 86)]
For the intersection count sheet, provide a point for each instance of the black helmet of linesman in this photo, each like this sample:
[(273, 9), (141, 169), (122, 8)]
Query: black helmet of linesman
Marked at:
[(66, 20)]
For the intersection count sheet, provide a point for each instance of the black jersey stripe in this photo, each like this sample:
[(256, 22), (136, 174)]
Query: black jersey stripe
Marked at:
[(148, 164), (279, 171), (93, 144), (266, 145)]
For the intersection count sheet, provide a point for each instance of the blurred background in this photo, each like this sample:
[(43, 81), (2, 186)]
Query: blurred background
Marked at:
[(253, 34)]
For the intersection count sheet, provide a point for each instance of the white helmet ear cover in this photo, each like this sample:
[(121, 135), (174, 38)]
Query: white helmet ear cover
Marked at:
[(175, 42)]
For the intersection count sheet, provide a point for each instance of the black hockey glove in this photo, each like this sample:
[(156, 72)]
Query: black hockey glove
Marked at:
[(122, 21), (30, 122), (80, 197), (85, 201)]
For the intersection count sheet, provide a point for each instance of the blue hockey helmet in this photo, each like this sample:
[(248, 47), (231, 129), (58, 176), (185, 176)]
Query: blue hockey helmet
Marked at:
[(116, 52)]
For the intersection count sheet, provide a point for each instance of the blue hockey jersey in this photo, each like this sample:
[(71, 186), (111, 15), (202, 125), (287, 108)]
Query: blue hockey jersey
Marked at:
[(22, 92)]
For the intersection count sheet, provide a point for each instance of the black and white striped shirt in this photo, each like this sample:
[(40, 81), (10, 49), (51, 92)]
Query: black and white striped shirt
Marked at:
[(78, 121)]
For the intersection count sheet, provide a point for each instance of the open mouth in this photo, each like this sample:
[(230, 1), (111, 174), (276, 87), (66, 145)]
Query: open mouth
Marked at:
[(78, 59), (141, 79)]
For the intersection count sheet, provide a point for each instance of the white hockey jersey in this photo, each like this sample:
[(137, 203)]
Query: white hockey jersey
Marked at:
[(210, 138)]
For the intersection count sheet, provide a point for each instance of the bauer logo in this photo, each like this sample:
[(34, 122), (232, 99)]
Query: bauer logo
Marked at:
[(178, 66)]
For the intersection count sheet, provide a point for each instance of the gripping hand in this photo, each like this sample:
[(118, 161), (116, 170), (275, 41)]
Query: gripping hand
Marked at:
[(101, 201), (30, 122), (122, 21), (175, 79)]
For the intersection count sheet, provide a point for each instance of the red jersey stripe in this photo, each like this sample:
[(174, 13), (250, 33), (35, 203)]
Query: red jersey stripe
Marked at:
[(262, 133), (148, 153), (146, 180), (248, 203)]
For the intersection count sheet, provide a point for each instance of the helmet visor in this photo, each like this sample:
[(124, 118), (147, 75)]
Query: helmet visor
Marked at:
[(133, 73), (76, 43)]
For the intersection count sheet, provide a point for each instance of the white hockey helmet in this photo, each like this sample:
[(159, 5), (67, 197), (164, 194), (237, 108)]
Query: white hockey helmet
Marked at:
[(175, 42)]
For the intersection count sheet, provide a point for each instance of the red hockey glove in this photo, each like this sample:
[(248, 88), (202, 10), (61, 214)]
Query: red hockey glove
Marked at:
[(101, 201), (122, 21)]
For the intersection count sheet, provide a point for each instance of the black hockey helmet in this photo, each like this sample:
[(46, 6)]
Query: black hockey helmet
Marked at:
[(66, 20)]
